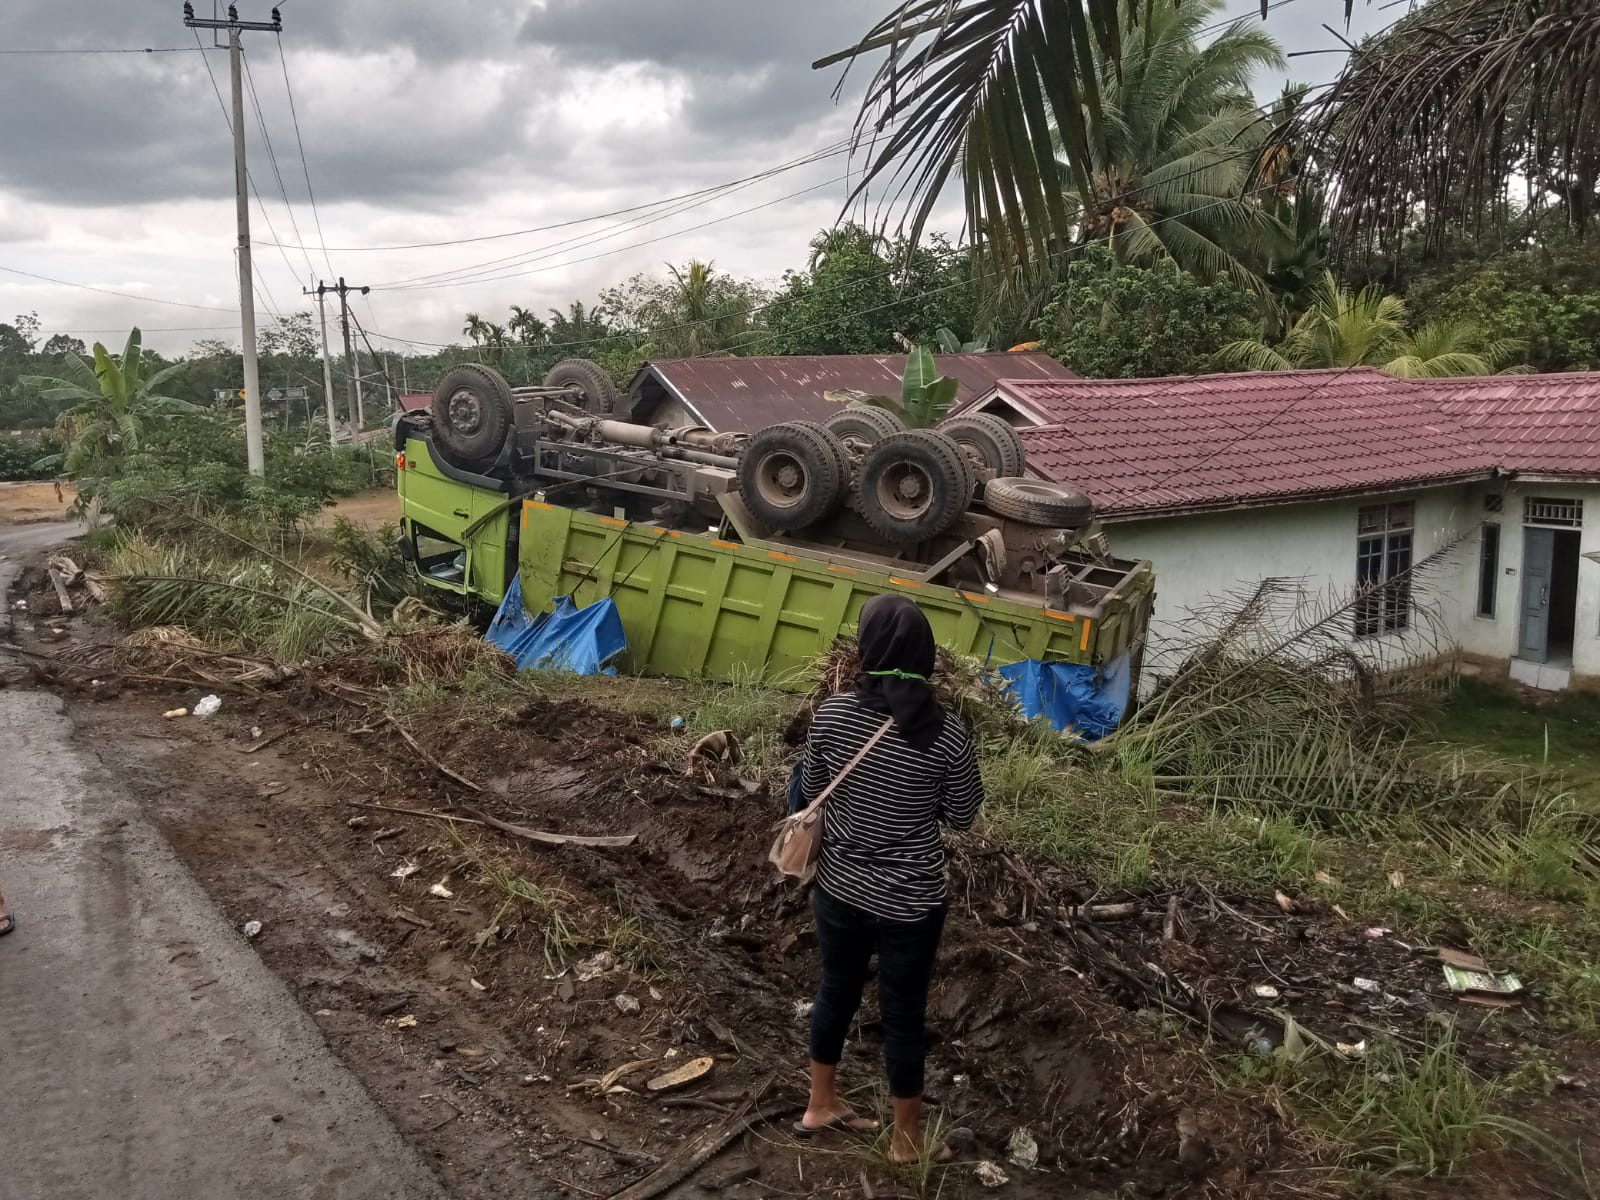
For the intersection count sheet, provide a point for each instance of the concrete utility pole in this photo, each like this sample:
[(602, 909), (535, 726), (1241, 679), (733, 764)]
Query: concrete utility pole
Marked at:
[(247, 308), (350, 363), (327, 367)]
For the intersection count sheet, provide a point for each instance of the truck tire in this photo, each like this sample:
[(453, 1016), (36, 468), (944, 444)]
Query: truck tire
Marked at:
[(989, 441), (791, 476), (832, 441), (600, 395), (471, 415), (864, 427), (1038, 503), (914, 486)]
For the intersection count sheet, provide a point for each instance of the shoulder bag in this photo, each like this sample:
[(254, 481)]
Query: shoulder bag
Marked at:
[(798, 846)]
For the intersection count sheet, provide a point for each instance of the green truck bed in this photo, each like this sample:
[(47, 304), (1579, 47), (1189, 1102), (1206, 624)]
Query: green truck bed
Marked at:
[(696, 606)]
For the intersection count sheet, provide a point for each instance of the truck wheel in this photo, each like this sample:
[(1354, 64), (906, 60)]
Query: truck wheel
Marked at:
[(861, 428), (599, 393), (989, 441), (1038, 503), (914, 486), (791, 477), (835, 445), (471, 415)]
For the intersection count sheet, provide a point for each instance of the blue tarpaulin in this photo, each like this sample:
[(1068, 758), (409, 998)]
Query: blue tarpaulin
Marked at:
[(1087, 700), (580, 640)]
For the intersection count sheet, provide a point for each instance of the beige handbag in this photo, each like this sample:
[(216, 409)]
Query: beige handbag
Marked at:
[(798, 845)]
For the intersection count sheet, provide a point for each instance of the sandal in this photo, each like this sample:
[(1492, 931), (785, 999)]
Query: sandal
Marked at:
[(8, 922), (846, 1122)]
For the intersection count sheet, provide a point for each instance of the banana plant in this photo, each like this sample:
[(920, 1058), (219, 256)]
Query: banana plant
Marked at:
[(951, 343), (114, 405), (925, 395)]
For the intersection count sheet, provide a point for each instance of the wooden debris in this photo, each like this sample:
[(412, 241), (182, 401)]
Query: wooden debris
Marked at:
[(1169, 927), (430, 759), (550, 839), (1104, 912), (702, 1149), (61, 590), (694, 1069)]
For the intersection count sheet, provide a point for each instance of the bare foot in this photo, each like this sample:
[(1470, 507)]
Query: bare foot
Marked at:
[(903, 1153)]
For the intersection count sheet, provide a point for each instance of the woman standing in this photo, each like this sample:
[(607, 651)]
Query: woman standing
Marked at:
[(880, 884)]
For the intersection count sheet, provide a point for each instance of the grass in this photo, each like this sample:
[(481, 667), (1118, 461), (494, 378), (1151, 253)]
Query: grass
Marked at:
[(1560, 734), (1427, 1114)]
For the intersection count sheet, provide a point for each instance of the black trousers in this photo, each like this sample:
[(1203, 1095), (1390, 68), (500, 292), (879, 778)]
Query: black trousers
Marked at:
[(847, 937)]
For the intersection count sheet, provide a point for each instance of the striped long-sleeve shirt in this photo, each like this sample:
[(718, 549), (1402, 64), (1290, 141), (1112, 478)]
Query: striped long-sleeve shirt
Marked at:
[(881, 847)]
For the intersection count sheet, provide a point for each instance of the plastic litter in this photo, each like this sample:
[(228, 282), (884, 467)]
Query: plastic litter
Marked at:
[(677, 724), (1351, 1049), (173, 713), (1021, 1150), (593, 968), (1264, 991), (441, 891), (990, 1175), (404, 871), (250, 928), (208, 706), (1367, 985), (626, 1005)]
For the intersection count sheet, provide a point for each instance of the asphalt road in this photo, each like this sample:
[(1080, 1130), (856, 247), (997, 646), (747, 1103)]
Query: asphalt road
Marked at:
[(146, 1052)]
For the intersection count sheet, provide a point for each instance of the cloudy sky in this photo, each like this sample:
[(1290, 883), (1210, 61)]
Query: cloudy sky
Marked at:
[(428, 121)]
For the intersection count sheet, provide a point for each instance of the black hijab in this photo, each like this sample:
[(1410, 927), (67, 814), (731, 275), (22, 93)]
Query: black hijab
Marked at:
[(897, 654)]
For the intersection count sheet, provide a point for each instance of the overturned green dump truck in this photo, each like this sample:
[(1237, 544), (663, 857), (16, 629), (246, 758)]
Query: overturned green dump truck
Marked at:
[(733, 556)]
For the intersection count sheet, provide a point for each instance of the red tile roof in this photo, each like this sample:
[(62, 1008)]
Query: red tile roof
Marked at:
[(751, 393), (1538, 424), (1216, 441)]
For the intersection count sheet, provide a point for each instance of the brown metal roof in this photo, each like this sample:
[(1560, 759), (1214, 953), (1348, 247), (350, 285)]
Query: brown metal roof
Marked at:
[(752, 393)]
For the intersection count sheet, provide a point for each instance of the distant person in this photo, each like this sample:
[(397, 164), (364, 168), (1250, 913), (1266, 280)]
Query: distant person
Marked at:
[(880, 884)]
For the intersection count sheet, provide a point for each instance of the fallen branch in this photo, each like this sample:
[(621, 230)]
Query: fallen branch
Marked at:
[(1104, 912), (483, 819), (430, 759), (551, 839), (254, 747), (1169, 927), (707, 1146)]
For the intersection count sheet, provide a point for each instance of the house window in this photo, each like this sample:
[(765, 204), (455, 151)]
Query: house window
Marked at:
[(1384, 538), (1545, 510), (1488, 567)]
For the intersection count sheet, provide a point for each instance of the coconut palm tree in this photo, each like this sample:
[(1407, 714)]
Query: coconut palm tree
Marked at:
[(1345, 328), (1182, 135), (991, 92), (114, 406), (476, 328), (526, 327), (700, 312), (577, 324)]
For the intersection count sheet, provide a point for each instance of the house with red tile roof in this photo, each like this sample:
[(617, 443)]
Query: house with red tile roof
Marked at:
[(1344, 481), (752, 392)]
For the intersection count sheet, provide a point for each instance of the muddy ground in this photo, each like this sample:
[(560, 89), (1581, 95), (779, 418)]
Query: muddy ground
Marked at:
[(508, 1003)]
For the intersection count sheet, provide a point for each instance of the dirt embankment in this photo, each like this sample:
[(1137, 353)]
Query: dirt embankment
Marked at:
[(457, 971), (24, 503)]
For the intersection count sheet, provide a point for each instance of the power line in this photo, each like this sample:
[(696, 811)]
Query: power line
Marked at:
[(831, 150), (305, 166), (116, 50), (87, 287), (272, 157), (617, 249)]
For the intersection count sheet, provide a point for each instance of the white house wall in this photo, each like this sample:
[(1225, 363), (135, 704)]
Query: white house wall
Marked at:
[(1202, 562)]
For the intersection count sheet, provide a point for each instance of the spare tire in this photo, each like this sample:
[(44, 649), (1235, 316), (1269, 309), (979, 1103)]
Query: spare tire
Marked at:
[(1038, 503), (863, 426), (914, 485), (471, 415), (600, 396), (989, 441), (792, 476)]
